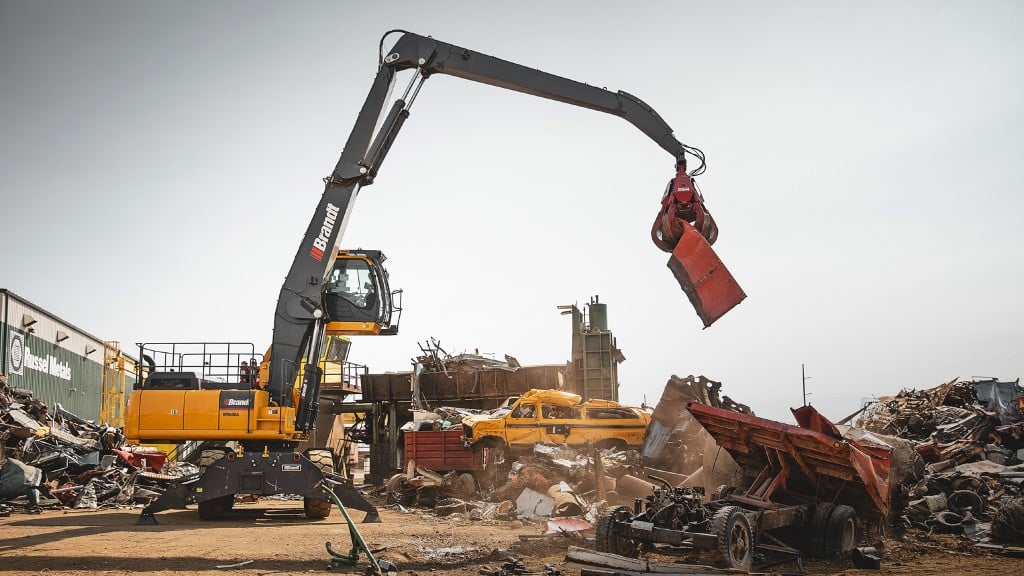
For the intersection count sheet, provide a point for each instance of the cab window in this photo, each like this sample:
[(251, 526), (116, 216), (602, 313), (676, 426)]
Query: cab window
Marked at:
[(352, 279), (610, 413), (559, 412), (524, 411)]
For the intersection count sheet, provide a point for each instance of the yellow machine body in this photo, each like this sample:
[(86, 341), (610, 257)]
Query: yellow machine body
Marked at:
[(190, 408), (184, 415)]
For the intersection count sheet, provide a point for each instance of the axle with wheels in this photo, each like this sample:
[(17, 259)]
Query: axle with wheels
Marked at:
[(730, 531), (224, 473)]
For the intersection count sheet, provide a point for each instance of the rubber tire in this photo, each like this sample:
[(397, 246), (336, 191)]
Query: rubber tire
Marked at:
[(963, 501), (723, 492), (841, 531), (395, 492), (605, 537), (394, 484), (735, 540), (314, 508), (816, 530), (615, 445), (465, 486), (215, 508)]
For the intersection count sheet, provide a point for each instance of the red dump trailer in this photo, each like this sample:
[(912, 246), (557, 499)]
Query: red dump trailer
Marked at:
[(810, 489), (441, 451)]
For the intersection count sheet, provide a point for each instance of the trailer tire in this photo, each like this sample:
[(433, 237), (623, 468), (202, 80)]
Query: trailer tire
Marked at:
[(735, 540), (723, 492), (394, 484), (816, 530), (841, 532), (316, 508), (606, 538), (464, 486)]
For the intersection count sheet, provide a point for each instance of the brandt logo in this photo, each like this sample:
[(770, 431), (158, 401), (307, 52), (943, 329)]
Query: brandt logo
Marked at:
[(320, 242), (233, 400)]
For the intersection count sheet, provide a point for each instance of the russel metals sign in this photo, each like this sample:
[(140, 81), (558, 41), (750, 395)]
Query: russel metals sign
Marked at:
[(21, 358)]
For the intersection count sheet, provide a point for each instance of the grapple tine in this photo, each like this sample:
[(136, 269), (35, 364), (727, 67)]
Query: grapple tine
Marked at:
[(708, 284)]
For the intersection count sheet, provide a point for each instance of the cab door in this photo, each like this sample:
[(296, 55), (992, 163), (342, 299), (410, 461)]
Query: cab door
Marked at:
[(521, 426), (556, 423)]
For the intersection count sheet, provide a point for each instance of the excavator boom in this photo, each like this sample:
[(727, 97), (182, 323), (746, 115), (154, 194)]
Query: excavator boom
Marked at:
[(684, 226), (687, 228)]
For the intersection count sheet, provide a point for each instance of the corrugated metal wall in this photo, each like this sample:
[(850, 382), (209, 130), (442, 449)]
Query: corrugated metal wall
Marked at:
[(59, 363)]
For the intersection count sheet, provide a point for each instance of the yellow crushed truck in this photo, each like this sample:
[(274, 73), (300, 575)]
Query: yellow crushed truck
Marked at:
[(559, 418)]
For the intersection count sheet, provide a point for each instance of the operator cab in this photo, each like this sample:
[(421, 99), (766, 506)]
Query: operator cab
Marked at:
[(357, 298)]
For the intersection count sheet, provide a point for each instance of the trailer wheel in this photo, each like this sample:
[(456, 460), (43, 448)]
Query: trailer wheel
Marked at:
[(606, 537), (816, 531), (315, 508), (722, 492), (841, 532), (735, 541)]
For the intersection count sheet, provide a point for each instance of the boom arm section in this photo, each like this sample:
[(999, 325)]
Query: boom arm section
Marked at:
[(298, 322), (683, 227)]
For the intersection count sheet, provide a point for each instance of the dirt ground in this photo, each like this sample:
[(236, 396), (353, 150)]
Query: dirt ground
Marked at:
[(273, 537)]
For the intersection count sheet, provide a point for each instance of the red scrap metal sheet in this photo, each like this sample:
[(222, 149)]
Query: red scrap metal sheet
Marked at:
[(820, 462), (567, 524), (144, 460), (708, 284)]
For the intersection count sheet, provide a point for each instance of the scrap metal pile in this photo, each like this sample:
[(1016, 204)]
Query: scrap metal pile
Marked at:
[(434, 358), (54, 458), (567, 487), (969, 434), (948, 459), (563, 488)]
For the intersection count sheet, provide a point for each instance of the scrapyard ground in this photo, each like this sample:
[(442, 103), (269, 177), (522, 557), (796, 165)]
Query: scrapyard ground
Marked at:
[(275, 538)]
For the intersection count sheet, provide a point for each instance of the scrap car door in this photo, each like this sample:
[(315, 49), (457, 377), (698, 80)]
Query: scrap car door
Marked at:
[(521, 426)]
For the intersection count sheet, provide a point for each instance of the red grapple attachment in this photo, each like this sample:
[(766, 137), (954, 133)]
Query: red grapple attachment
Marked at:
[(707, 282), (686, 229)]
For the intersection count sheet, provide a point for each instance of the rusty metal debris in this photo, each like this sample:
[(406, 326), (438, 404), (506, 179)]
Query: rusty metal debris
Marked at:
[(51, 458), (555, 487), (516, 567), (969, 434), (591, 562)]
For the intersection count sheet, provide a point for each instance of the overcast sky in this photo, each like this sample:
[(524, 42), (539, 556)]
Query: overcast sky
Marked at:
[(159, 163)]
